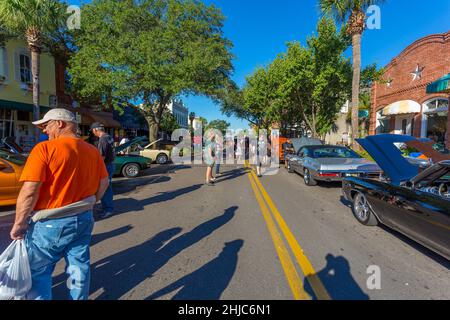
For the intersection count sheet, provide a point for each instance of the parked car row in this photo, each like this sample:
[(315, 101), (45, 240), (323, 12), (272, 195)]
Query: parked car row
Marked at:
[(318, 162), (128, 164), (407, 194)]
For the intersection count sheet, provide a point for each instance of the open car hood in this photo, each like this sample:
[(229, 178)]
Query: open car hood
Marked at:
[(301, 142), (129, 144), (390, 159), (149, 145)]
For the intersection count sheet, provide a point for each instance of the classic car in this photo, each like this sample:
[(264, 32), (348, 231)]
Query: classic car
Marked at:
[(160, 156), (11, 166), (130, 165), (298, 144), (406, 198), (330, 163)]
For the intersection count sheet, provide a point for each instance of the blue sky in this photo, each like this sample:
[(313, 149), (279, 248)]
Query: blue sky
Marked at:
[(259, 30)]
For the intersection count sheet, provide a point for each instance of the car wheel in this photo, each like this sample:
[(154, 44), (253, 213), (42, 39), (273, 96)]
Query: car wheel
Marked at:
[(362, 211), (131, 170), (162, 158), (307, 177)]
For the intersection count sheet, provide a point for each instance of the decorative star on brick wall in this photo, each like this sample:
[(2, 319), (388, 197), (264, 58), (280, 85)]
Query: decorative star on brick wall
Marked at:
[(389, 83), (417, 74)]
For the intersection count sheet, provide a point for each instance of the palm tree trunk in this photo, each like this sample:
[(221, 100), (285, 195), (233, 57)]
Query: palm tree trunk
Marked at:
[(356, 44), (35, 69)]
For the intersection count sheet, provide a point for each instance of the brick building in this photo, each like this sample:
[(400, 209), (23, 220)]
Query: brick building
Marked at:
[(402, 105)]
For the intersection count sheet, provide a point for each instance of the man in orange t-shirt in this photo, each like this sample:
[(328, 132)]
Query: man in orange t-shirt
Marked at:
[(63, 179)]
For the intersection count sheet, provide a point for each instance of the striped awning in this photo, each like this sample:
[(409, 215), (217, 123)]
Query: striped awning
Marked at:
[(401, 107), (439, 86)]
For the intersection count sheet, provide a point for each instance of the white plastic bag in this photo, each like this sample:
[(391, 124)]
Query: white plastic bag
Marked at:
[(15, 274)]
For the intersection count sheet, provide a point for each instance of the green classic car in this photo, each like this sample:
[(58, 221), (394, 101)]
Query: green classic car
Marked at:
[(128, 165)]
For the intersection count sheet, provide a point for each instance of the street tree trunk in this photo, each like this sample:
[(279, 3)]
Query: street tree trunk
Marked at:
[(153, 131), (356, 43)]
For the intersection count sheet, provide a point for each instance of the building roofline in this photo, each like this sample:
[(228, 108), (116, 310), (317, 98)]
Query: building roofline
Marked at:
[(433, 38)]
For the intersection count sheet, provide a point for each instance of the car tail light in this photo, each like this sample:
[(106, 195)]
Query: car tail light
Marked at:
[(329, 174)]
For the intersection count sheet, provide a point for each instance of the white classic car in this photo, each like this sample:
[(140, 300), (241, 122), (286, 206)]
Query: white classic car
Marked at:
[(158, 155)]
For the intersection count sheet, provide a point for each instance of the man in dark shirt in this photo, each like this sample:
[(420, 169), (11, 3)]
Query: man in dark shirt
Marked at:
[(288, 147), (106, 148)]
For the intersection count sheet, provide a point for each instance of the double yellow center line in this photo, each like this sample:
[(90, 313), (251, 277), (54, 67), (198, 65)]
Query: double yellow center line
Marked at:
[(272, 215)]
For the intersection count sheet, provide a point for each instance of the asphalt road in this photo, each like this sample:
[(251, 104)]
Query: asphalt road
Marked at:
[(174, 238)]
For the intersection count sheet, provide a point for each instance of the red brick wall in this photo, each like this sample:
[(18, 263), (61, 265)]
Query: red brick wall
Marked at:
[(432, 53)]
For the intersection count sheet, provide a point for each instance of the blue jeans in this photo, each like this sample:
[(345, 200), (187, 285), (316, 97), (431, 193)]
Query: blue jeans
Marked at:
[(107, 200), (217, 168), (48, 241)]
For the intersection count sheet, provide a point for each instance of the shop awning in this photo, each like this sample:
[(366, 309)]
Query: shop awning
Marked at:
[(13, 105), (401, 107), (440, 86)]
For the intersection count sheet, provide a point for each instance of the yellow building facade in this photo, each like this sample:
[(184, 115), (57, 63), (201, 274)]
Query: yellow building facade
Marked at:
[(16, 95)]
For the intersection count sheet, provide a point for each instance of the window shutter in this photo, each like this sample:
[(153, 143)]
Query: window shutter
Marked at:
[(2, 64), (17, 66), (5, 64)]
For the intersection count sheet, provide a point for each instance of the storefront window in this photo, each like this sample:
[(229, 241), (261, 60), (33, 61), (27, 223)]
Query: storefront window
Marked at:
[(6, 123), (435, 119), (437, 104)]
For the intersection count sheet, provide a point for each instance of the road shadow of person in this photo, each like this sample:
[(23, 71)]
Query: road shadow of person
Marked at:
[(127, 186), (118, 274), (127, 205), (209, 281), (337, 280), (99, 237), (231, 176)]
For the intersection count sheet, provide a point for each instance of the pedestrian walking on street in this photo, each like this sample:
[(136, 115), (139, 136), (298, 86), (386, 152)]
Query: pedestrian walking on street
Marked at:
[(261, 154), (62, 179), (106, 149), (218, 155), (209, 155)]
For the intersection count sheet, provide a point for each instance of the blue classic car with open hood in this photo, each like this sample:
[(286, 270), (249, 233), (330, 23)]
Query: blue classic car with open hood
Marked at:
[(408, 198)]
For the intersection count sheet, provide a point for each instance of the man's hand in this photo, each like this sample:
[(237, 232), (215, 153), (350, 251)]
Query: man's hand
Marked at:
[(26, 201), (18, 231)]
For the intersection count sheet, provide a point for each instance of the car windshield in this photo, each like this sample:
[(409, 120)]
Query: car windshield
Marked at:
[(14, 158), (334, 152)]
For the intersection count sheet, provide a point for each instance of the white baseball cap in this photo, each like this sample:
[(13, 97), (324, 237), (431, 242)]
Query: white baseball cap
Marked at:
[(57, 114)]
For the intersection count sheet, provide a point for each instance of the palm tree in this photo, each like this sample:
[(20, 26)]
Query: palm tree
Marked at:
[(33, 20), (351, 12)]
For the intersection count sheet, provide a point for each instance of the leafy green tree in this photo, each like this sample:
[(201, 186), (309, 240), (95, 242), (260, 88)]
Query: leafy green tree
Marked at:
[(305, 84), (220, 125), (168, 123), (351, 12), (317, 78), (146, 53), (33, 20), (255, 102)]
